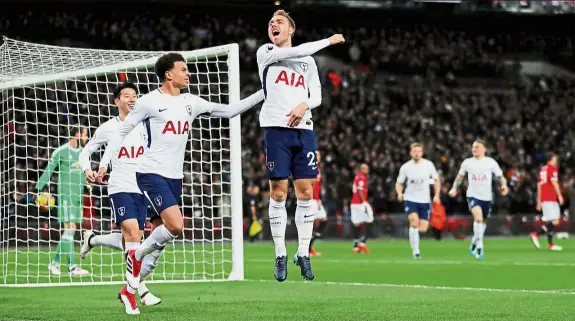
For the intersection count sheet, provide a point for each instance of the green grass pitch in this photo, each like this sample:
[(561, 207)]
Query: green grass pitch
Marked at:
[(513, 282)]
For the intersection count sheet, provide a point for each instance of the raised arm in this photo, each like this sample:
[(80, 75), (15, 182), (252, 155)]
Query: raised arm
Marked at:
[(269, 53), (314, 88), (228, 111)]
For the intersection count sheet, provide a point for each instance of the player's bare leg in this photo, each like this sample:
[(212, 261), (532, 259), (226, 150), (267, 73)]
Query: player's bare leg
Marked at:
[(304, 218), (413, 219), (278, 221), (479, 226)]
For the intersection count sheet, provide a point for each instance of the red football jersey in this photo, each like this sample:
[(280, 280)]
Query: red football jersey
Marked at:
[(547, 174), (359, 186), (317, 186)]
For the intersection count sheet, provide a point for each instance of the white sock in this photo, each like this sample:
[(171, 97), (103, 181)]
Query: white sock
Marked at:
[(414, 239), (143, 288), (130, 289), (149, 264), (156, 241), (112, 240), (132, 246), (278, 221), (304, 218), (476, 232), (482, 229)]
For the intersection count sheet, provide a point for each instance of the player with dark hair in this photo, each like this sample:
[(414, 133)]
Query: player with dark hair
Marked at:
[(167, 114), (361, 210), (71, 182), (549, 199), (129, 207)]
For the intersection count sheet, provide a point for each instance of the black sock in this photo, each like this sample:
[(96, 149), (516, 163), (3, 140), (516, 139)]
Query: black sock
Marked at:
[(356, 232), (543, 230), (550, 232), (366, 233), (317, 233), (321, 228)]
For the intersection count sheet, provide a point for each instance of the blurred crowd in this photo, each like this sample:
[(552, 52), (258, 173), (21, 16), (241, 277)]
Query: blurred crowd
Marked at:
[(367, 115)]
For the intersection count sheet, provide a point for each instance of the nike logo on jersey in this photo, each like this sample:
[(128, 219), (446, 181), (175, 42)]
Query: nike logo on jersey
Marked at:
[(161, 110), (306, 216)]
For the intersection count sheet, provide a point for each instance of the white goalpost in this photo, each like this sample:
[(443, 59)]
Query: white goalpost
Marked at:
[(46, 89)]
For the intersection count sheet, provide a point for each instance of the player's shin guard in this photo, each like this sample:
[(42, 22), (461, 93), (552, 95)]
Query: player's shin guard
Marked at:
[(278, 221), (156, 241), (304, 218)]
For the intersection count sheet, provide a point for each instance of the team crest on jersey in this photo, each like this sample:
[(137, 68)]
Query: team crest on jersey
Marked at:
[(271, 166), (158, 201), (269, 48), (189, 109), (303, 66), (144, 135), (121, 211)]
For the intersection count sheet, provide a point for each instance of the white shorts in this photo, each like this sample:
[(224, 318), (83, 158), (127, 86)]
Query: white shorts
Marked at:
[(551, 211), (320, 213), (361, 213)]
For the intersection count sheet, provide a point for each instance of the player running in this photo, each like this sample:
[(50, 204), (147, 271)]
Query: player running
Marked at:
[(320, 212), (129, 207), (167, 114), (361, 211), (548, 199), (71, 184), (417, 174), (480, 170), (292, 88)]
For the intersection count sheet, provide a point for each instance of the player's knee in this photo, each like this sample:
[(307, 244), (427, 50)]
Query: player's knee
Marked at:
[(131, 236), (304, 189), (278, 190), (423, 227)]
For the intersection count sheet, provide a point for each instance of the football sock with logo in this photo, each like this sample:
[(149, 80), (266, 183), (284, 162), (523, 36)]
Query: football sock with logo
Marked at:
[(304, 218), (278, 221)]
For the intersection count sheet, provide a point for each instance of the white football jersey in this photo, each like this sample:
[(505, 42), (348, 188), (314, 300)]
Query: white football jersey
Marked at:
[(289, 77), (480, 176), (418, 178), (168, 120), (123, 175)]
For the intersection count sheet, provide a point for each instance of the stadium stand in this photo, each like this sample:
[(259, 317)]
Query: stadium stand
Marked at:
[(413, 77)]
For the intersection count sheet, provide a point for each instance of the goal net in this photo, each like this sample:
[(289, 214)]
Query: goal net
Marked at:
[(44, 90)]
